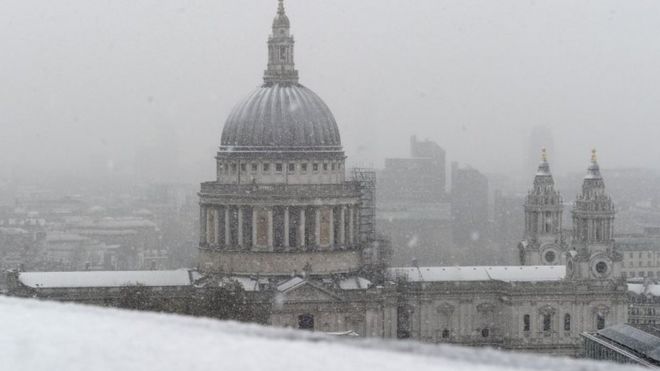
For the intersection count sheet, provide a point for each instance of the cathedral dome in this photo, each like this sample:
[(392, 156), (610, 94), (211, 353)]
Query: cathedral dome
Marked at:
[(284, 116), (281, 115)]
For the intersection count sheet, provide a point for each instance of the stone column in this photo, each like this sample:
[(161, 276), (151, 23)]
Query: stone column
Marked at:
[(254, 226), (270, 229), (240, 226), (202, 224), (342, 226), (301, 228), (332, 227), (227, 227), (317, 226), (351, 226), (286, 227), (217, 225)]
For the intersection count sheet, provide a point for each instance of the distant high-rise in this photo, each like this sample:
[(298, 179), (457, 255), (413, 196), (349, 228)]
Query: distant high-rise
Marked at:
[(540, 137), (469, 205), (419, 178)]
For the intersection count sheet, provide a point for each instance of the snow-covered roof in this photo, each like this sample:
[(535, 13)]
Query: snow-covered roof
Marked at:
[(290, 284), (354, 283), (484, 273), (633, 338), (640, 288), (249, 284), (58, 236), (180, 277), (57, 336), (116, 223)]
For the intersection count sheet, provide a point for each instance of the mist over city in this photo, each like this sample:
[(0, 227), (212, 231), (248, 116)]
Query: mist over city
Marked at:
[(435, 180)]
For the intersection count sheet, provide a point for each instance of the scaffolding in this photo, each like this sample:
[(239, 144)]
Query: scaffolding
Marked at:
[(366, 177)]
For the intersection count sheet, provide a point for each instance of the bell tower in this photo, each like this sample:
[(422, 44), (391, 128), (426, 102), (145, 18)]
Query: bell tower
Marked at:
[(593, 230), (543, 243), (281, 68)]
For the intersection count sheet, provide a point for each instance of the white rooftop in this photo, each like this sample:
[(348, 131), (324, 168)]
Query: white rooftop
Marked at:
[(532, 273), (640, 288), (181, 277), (38, 335)]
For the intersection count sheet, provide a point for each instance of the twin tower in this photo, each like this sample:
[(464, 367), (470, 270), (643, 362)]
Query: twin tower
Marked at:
[(591, 253)]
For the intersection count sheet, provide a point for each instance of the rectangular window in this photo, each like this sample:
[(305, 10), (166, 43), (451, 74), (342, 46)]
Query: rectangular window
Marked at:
[(315, 167), (547, 322), (226, 166), (278, 167), (233, 168), (266, 167), (254, 167), (567, 322), (292, 168), (303, 167), (243, 167), (526, 322), (334, 166), (325, 167)]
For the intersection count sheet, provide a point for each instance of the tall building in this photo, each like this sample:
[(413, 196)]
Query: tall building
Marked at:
[(280, 204), (593, 230), (543, 243), (469, 206), (420, 178), (412, 208)]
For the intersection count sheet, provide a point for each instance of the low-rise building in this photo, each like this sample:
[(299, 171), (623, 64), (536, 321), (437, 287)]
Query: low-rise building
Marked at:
[(624, 344)]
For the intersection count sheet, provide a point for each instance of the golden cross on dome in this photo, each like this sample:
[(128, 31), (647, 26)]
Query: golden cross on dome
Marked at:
[(544, 155), (593, 155)]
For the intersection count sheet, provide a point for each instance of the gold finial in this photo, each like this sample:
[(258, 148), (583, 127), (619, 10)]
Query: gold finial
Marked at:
[(544, 155), (594, 158)]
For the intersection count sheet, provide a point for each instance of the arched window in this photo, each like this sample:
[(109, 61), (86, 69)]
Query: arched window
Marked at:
[(547, 322), (526, 322), (485, 332), (306, 321), (567, 322), (600, 321), (445, 334)]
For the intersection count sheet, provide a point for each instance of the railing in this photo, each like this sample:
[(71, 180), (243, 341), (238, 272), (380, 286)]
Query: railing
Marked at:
[(312, 190)]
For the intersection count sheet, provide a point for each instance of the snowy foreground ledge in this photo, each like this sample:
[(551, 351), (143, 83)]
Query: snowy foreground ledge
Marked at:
[(53, 336)]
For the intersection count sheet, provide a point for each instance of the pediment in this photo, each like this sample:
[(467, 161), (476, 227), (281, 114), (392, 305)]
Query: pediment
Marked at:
[(308, 292)]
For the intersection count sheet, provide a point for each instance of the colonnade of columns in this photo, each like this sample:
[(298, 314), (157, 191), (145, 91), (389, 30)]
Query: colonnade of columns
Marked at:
[(279, 227)]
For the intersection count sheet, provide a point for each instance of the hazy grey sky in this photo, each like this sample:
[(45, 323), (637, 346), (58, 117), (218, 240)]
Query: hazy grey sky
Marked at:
[(83, 79)]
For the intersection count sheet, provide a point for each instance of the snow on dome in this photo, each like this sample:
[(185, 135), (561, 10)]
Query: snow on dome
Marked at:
[(285, 116)]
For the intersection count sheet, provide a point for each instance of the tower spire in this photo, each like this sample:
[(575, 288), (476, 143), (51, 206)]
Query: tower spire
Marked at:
[(280, 7), (281, 68)]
